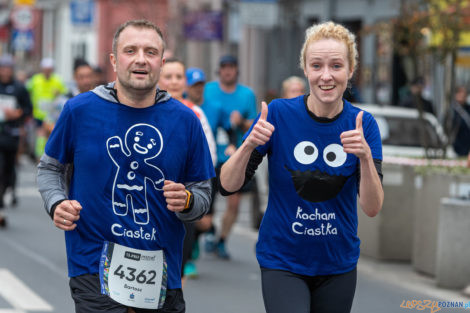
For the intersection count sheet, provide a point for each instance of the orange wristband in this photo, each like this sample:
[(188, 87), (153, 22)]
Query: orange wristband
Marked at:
[(188, 198)]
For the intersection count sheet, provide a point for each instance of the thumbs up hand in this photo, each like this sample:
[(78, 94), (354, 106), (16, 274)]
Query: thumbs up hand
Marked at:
[(262, 130), (353, 141)]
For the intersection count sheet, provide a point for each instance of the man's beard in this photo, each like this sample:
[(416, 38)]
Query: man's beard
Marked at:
[(141, 85)]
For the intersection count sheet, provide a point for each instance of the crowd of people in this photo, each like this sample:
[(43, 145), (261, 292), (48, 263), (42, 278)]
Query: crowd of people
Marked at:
[(29, 108), (130, 170)]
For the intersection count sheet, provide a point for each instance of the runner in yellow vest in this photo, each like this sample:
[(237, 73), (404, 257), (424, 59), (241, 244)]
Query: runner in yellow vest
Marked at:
[(44, 88)]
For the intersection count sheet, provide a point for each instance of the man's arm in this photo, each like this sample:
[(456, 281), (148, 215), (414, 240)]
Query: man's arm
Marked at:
[(51, 182), (201, 192), (53, 185)]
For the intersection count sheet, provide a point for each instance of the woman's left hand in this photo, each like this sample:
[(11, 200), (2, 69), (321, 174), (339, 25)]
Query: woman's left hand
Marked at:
[(353, 141)]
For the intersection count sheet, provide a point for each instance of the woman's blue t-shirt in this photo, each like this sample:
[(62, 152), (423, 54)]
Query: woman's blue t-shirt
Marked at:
[(310, 225)]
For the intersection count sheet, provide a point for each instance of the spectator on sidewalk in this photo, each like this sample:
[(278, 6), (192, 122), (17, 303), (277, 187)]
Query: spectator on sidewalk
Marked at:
[(461, 122), (414, 98)]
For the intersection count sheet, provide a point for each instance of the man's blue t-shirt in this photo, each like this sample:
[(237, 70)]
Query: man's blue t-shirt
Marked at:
[(310, 225), (121, 157), (242, 100)]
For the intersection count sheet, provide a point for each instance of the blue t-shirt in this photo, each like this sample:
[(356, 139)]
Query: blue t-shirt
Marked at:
[(216, 115), (121, 156), (242, 100), (310, 225)]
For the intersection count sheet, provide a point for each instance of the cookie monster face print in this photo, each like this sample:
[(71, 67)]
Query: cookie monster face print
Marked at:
[(317, 185)]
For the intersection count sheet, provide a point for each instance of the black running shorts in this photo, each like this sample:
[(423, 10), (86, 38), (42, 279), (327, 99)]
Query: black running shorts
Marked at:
[(86, 293)]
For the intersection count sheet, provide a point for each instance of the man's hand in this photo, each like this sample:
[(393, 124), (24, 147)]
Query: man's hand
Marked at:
[(66, 214), (236, 119), (353, 141), (262, 130), (175, 195), (230, 150)]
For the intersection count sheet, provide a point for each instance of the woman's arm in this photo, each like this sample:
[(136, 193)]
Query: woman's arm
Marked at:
[(232, 175), (371, 193)]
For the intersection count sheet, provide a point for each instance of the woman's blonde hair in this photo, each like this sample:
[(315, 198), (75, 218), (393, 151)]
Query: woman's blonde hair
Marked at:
[(331, 30)]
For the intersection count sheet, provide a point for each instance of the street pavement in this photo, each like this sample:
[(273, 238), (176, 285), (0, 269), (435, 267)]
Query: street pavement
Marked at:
[(33, 272)]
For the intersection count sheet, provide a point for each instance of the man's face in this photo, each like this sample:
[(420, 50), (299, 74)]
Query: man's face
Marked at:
[(47, 71), (138, 59), (6, 74), (228, 74), (84, 77), (195, 92)]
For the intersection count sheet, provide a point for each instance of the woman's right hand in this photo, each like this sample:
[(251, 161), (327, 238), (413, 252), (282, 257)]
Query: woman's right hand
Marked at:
[(262, 131)]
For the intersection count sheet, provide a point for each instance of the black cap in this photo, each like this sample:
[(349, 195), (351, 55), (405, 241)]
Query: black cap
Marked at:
[(228, 59)]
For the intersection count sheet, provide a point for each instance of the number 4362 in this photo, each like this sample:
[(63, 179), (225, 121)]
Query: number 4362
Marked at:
[(143, 277)]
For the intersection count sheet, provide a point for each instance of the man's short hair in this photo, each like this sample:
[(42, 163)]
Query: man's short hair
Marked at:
[(138, 24), (79, 62)]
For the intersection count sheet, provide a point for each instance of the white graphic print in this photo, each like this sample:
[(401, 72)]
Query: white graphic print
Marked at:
[(142, 142)]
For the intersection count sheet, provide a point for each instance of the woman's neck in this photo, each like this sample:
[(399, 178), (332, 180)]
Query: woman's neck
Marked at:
[(324, 110)]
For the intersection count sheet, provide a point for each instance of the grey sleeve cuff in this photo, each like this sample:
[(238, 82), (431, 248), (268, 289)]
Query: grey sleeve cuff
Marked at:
[(202, 198), (51, 181)]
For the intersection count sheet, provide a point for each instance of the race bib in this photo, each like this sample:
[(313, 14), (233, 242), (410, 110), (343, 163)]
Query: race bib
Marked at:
[(133, 277)]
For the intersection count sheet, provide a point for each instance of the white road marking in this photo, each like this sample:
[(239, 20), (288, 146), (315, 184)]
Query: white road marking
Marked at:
[(20, 296)]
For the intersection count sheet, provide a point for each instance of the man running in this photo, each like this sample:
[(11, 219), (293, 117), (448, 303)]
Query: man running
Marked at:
[(141, 166), (239, 107)]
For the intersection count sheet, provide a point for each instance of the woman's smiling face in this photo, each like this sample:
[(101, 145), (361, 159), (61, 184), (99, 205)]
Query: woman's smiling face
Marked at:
[(327, 70)]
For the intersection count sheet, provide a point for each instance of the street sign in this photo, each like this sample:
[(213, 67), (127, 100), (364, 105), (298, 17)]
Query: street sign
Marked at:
[(23, 18), (22, 40), (81, 12)]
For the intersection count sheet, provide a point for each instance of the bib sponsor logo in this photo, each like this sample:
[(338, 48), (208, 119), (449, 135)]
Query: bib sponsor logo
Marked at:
[(132, 256)]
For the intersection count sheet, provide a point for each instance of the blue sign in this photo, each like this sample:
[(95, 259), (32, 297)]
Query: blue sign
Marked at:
[(22, 40), (82, 11), (203, 25)]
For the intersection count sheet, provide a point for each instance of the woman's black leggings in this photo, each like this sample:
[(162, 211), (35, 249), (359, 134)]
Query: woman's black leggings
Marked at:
[(288, 292)]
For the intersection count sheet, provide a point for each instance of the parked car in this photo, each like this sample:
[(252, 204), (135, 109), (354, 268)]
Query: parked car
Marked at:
[(403, 133)]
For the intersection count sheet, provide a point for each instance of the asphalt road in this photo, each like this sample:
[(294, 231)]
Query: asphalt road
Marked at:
[(33, 274)]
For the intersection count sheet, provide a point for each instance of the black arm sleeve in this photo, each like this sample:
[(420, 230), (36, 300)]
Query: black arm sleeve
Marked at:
[(255, 159), (378, 167)]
